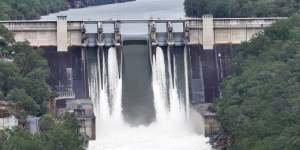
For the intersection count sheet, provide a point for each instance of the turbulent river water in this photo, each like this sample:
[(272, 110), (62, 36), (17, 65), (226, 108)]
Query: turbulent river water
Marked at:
[(141, 103)]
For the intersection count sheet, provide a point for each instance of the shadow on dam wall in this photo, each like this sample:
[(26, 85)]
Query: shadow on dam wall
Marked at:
[(207, 68), (66, 71)]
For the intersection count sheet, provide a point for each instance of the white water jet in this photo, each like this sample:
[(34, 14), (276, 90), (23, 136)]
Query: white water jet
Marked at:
[(159, 84), (176, 105), (105, 90), (167, 133), (115, 85), (186, 74)]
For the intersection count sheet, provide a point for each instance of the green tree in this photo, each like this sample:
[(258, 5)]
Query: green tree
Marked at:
[(20, 97), (29, 9), (71, 123), (62, 134), (53, 136), (259, 108), (22, 140), (24, 80), (46, 123), (60, 138), (241, 8)]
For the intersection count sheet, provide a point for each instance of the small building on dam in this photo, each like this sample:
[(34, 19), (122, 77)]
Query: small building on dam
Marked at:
[(194, 54)]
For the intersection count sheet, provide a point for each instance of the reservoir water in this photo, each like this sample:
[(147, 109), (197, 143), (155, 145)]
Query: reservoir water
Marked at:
[(139, 9)]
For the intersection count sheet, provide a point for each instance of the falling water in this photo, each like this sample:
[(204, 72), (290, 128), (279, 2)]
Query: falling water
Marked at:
[(115, 85), (177, 112), (105, 89), (159, 84), (170, 131)]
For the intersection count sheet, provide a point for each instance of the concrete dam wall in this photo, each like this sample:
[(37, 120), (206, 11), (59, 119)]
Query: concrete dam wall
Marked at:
[(207, 43)]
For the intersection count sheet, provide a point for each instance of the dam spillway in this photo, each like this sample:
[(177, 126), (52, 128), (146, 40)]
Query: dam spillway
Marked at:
[(137, 95), (139, 88), (153, 111)]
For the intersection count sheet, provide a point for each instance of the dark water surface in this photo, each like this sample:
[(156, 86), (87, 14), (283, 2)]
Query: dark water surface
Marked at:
[(137, 94)]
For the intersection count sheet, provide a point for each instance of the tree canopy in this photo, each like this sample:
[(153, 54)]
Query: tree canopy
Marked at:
[(23, 74), (57, 136), (33, 9), (29, 9), (241, 8), (23, 80), (260, 103)]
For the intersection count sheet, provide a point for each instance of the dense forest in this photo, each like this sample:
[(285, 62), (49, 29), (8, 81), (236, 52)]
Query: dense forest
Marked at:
[(259, 107), (29, 9), (33, 9), (23, 75), (260, 104), (23, 80), (241, 8)]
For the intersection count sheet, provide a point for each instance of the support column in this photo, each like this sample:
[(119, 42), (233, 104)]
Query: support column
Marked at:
[(170, 40), (196, 71), (62, 34), (208, 32), (84, 48), (117, 34), (152, 39), (209, 60), (210, 75), (84, 72)]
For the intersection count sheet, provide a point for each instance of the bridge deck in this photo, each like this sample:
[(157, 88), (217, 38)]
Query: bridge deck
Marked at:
[(63, 33)]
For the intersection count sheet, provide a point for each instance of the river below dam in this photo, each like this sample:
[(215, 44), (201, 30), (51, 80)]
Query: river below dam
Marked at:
[(140, 103)]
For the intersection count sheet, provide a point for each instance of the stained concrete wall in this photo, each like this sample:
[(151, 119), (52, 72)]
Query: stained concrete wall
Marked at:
[(211, 42), (59, 64), (207, 68), (208, 35), (46, 33), (204, 81), (62, 34), (211, 31), (208, 60)]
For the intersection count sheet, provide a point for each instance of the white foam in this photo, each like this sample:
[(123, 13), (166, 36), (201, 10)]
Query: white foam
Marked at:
[(171, 131)]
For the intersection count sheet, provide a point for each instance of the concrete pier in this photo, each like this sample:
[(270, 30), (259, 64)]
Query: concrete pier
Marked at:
[(62, 34)]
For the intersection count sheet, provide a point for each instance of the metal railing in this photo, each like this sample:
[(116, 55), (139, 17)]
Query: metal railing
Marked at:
[(66, 95)]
